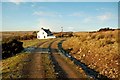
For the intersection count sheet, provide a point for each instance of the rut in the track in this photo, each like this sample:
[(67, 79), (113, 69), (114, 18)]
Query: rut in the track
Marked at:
[(35, 68), (63, 68), (38, 65)]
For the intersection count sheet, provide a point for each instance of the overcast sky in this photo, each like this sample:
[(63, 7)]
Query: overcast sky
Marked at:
[(72, 16)]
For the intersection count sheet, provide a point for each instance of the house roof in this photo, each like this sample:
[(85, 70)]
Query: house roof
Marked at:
[(49, 33)]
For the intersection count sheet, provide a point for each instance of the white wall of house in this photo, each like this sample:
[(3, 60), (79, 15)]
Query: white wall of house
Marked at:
[(42, 34), (51, 37)]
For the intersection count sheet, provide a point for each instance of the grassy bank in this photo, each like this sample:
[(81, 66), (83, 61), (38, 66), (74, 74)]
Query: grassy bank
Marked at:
[(11, 67), (98, 50)]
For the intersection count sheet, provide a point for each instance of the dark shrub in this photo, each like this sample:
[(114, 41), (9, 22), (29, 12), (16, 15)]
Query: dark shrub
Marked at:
[(106, 29), (11, 47), (110, 42)]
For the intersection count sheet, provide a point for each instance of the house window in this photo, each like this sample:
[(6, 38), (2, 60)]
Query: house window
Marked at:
[(43, 32)]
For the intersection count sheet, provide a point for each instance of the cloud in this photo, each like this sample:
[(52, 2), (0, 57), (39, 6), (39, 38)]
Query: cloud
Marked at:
[(105, 17), (88, 19), (98, 9), (38, 7), (45, 0), (48, 14), (66, 1), (98, 18), (17, 2), (32, 5), (41, 7), (75, 0), (53, 25), (77, 14), (70, 28)]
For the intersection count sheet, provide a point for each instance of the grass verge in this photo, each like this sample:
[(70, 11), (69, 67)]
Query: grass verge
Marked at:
[(34, 42), (11, 67), (47, 63)]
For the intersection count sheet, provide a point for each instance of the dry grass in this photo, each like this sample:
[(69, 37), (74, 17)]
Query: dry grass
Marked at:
[(12, 66), (15, 33), (48, 66), (98, 50)]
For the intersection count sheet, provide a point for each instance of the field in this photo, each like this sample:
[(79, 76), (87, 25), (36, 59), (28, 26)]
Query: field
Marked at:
[(98, 50), (15, 33)]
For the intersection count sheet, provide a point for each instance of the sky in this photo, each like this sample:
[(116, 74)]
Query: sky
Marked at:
[(18, 15)]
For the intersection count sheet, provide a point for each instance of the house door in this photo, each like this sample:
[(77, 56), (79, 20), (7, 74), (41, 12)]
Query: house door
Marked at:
[(44, 36)]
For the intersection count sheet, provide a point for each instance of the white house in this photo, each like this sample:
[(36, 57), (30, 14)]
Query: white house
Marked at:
[(45, 34)]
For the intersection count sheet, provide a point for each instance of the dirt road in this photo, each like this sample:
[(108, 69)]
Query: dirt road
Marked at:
[(34, 68), (63, 67), (39, 65)]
